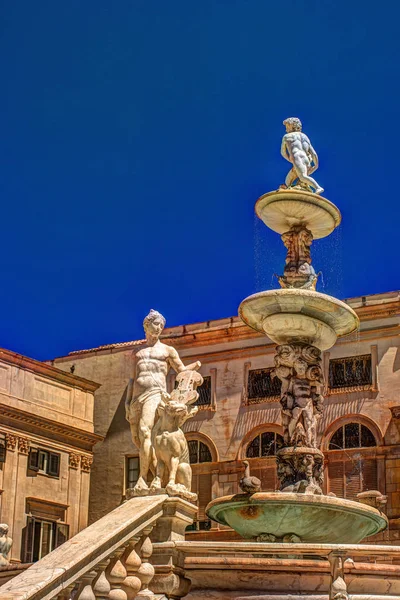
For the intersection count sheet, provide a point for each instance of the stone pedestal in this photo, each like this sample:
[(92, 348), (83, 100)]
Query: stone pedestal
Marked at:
[(169, 578)]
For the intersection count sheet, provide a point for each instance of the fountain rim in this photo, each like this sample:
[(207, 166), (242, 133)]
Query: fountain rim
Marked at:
[(322, 224), (290, 498)]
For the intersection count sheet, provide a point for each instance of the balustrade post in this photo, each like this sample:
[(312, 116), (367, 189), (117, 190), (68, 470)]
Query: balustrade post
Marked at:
[(85, 590), (146, 569), (170, 577), (116, 574), (101, 585), (133, 562), (338, 588)]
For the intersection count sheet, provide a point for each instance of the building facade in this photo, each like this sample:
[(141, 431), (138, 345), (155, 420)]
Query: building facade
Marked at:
[(46, 451), (239, 414)]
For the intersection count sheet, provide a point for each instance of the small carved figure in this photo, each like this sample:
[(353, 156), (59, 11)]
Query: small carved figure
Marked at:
[(173, 471), (248, 483), (297, 149), (145, 392), (5, 545)]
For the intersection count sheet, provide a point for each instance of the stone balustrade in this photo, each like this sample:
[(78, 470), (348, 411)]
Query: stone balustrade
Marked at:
[(108, 560)]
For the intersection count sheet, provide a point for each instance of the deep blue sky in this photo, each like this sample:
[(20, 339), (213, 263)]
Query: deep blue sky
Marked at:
[(136, 137)]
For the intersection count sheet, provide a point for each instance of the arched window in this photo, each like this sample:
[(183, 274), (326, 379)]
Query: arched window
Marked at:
[(262, 450), (198, 452), (351, 458), (264, 444)]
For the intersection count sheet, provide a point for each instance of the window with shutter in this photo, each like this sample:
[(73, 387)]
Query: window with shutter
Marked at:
[(62, 532), (53, 465), (336, 478), (267, 475), (2, 449), (201, 485), (198, 452), (33, 460), (28, 553)]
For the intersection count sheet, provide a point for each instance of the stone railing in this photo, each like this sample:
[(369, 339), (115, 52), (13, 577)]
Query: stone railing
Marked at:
[(109, 559)]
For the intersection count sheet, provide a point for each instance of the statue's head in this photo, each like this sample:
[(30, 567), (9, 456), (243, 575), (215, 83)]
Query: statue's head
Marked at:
[(154, 323), (3, 529), (292, 124)]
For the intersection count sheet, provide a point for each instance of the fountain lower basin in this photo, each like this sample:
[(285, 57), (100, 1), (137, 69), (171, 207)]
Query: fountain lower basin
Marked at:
[(311, 518), (297, 315)]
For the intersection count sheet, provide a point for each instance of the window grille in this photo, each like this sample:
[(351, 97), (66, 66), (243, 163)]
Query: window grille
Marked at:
[(264, 444), (132, 471), (198, 452), (204, 391), (261, 384), (352, 435), (353, 371)]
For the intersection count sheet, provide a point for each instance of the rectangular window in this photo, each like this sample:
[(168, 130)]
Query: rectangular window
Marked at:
[(132, 471), (350, 372), (41, 537), (3, 449), (261, 385), (43, 461), (204, 391)]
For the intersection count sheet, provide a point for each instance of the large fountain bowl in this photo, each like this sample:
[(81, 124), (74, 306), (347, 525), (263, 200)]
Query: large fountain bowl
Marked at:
[(297, 315), (312, 518)]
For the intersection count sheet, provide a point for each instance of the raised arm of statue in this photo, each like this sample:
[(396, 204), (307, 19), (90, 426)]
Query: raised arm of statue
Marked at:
[(314, 158), (177, 364)]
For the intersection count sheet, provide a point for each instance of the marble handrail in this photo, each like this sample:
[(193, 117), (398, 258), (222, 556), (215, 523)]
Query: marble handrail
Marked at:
[(107, 559)]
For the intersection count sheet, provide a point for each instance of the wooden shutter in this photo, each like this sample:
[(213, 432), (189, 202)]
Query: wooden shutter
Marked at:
[(62, 532), (28, 551), (33, 460), (54, 464), (336, 478), (369, 474), (2, 450), (201, 485), (267, 475), (352, 472)]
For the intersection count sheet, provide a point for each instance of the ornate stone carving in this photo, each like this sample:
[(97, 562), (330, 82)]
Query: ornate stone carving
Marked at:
[(5, 545), (300, 463), (75, 460), (11, 441), (297, 149), (23, 445), (147, 392), (86, 463), (174, 473), (298, 272)]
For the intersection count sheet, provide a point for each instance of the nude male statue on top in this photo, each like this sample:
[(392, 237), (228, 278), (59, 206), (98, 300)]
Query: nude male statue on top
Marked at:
[(297, 149), (150, 368)]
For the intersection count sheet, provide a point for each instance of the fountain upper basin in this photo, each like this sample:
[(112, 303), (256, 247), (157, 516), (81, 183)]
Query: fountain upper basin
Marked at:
[(297, 315), (283, 209), (312, 518)]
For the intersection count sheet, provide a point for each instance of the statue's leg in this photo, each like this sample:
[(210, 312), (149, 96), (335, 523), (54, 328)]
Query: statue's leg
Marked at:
[(156, 484), (173, 467), (302, 172), (146, 424), (184, 475), (290, 177)]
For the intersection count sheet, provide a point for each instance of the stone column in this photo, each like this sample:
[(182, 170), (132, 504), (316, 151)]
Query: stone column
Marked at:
[(169, 578), (10, 474), (20, 497), (74, 493), (86, 463)]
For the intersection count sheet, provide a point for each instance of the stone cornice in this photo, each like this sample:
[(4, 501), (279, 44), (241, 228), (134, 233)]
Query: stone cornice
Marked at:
[(35, 424), (46, 370), (222, 331)]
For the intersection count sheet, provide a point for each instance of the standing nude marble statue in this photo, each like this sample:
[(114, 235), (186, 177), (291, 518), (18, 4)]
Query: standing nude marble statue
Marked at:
[(146, 392), (5, 545), (297, 149)]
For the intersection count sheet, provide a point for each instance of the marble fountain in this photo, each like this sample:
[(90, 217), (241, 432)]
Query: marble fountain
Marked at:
[(302, 322)]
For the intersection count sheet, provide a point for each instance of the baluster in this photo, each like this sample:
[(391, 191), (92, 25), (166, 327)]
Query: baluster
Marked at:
[(66, 594), (85, 590), (116, 575), (101, 585), (146, 570), (132, 561)]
